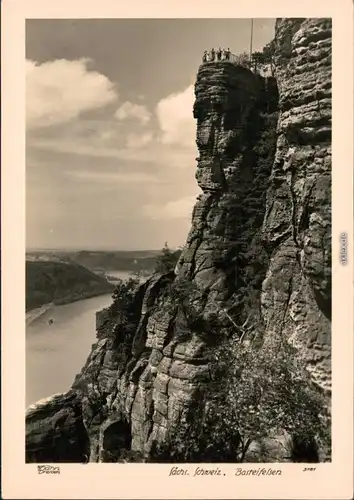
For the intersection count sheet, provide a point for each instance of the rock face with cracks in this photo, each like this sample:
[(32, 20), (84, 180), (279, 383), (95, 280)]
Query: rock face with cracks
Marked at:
[(259, 249), (296, 294)]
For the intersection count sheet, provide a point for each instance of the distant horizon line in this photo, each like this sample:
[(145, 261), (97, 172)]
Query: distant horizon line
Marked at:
[(93, 249)]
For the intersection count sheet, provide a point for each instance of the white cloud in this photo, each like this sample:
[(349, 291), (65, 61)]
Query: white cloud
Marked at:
[(106, 135), (139, 140), (178, 209), (129, 110), (58, 91), (53, 99), (115, 177), (175, 116), (154, 153)]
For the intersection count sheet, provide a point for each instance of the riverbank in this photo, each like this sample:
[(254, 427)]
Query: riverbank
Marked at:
[(56, 352), (61, 283), (37, 312), (82, 296)]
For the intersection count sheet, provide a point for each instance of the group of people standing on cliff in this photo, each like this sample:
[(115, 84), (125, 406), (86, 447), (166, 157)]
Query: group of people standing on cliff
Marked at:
[(216, 55)]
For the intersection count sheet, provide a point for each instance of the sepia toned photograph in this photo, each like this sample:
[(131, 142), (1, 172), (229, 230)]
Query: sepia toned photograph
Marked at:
[(178, 241)]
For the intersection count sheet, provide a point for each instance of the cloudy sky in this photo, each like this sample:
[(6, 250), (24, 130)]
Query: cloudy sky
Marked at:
[(110, 160)]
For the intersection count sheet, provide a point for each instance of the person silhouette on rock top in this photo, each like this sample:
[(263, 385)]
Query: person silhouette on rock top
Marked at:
[(219, 54), (227, 54), (212, 54), (205, 56)]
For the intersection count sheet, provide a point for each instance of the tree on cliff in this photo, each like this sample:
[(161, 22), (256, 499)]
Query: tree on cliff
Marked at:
[(242, 59), (257, 60), (123, 296), (264, 392), (167, 260), (264, 59), (184, 294)]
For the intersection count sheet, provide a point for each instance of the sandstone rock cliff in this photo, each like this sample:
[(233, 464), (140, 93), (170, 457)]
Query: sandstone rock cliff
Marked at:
[(259, 250), (296, 294)]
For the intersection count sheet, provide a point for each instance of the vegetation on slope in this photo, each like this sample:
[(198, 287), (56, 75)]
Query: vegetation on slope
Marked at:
[(254, 395), (61, 282), (166, 261), (133, 261), (120, 261)]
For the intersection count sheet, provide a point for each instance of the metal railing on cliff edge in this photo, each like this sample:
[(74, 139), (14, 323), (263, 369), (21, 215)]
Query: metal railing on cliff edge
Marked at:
[(223, 55), (244, 60)]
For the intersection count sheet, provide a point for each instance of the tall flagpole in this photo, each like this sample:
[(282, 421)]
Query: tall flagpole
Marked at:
[(251, 39)]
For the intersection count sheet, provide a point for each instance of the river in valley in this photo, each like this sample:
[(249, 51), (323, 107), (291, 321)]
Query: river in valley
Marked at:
[(56, 352)]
